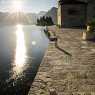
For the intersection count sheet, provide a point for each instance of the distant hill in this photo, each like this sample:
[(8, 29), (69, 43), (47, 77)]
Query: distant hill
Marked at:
[(14, 18), (40, 14), (53, 14), (26, 18)]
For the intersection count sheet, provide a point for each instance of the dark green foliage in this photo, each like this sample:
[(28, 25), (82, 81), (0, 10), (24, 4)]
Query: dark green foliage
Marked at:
[(92, 25), (47, 33), (59, 26), (38, 21), (45, 21)]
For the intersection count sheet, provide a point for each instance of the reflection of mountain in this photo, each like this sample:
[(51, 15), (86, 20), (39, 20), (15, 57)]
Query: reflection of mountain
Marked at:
[(53, 14)]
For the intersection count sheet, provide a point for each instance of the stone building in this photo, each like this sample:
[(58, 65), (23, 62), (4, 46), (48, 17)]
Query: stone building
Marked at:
[(75, 13)]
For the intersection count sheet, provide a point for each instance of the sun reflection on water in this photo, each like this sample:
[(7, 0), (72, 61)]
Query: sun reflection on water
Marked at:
[(20, 55), (20, 49)]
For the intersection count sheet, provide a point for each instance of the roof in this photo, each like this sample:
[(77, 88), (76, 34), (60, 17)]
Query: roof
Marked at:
[(71, 2)]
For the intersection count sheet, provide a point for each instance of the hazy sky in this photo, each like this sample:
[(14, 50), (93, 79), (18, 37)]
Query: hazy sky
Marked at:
[(28, 5)]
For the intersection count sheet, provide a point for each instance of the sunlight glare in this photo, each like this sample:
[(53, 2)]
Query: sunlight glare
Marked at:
[(20, 49), (17, 5), (20, 56), (33, 43)]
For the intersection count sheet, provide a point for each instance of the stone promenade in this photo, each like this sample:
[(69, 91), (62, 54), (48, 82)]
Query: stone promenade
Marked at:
[(68, 68)]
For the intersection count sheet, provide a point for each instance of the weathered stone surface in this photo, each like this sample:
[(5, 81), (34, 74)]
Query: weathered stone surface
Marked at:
[(63, 74)]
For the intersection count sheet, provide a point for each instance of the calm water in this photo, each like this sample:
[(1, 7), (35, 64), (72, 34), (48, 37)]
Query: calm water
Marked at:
[(21, 51)]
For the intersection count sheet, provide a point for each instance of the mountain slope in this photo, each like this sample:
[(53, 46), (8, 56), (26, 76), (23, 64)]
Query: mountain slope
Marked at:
[(53, 14), (40, 14)]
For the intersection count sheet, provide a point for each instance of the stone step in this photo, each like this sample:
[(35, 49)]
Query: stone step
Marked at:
[(81, 86), (71, 75), (76, 93), (73, 67), (73, 86)]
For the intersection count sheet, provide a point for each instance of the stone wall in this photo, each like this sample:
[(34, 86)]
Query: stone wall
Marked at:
[(91, 11), (59, 15), (61, 73), (73, 15), (86, 14)]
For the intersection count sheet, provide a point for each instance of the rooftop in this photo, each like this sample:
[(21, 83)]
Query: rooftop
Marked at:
[(71, 2)]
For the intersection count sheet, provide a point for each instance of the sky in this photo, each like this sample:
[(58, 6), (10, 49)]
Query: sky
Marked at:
[(34, 6)]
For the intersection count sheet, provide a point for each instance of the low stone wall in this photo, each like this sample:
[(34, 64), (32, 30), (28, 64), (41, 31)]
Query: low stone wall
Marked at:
[(68, 68)]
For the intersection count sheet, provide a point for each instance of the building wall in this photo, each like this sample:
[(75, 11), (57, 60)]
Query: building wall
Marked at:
[(73, 15), (59, 15), (91, 11)]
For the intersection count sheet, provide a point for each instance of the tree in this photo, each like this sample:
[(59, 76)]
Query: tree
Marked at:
[(45, 21), (50, 22), (38, 21)]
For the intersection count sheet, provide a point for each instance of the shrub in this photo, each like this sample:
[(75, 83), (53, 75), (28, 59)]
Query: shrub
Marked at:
[(45, 21), (92, 25)]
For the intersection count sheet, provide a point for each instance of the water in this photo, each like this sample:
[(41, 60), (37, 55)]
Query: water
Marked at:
[(22, 48)]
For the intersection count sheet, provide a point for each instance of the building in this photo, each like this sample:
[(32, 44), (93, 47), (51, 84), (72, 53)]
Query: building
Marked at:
[(75, 13)]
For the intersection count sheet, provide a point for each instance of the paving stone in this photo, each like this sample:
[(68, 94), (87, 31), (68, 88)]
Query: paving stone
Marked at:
[(65, 74)]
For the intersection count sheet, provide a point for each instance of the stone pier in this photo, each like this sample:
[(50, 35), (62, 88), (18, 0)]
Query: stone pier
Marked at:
[(68, 68)]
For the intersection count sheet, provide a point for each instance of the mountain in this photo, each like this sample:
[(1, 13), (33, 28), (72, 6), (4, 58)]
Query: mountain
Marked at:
[(40, 14), (14, 18), (53, 14), (26, 18)]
